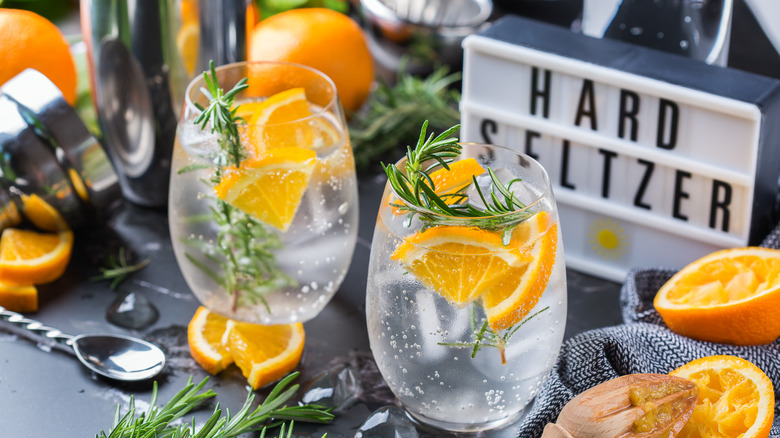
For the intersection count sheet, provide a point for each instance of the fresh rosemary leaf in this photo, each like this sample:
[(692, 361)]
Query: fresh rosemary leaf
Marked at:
[(272, 412), (119, 269), (394, 112)]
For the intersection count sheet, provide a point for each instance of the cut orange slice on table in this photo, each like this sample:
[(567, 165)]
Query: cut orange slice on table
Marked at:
[(207, 334), (463, 264), (730, 296), (270, 188), (736, 398), (20, 299), (264, 353), (29, 257)]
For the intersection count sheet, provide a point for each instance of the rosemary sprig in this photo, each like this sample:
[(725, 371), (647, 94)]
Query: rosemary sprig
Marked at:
[(220, 114), (244, 248), (394, 112), (272, 412), (118, 269), (484, 336), (414, 186)]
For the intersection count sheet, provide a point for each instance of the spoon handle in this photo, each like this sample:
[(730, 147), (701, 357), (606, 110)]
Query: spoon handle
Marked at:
[(35, 327)]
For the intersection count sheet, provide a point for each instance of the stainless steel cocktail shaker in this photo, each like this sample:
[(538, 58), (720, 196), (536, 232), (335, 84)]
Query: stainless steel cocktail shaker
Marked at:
[(142, 54)]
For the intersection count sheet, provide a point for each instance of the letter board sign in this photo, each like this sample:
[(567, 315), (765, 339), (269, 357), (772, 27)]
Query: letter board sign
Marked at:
[(655, 159)]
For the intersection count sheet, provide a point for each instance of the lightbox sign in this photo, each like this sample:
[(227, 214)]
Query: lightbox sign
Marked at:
[(655, 159)]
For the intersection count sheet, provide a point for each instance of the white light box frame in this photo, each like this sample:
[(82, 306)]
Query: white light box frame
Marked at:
[(655, 159)]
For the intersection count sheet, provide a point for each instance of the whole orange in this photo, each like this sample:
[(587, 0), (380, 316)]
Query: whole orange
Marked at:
[(31, 41), (323, 39)]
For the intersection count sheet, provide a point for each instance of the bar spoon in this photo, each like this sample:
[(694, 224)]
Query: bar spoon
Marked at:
[(117, 357)]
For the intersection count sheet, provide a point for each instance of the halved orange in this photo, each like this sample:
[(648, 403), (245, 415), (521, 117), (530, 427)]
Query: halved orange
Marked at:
[(515, 295), (270, 188), (736, 398), (20, 299), (266, 353), (465, 263), (28, 257), (207, 335), (730, 296)]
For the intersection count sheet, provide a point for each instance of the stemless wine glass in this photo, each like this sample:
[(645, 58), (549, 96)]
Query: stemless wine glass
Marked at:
[(269, 240), (466, 315)]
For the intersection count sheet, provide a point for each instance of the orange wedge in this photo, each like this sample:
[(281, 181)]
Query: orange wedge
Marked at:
[(207, 335), (515, 295), (270, 188), (42, 214), (736, 398), (463, 264), (28, 257), (450, 181), (20, 299), (730, 296), (283, 120), (266, 353)]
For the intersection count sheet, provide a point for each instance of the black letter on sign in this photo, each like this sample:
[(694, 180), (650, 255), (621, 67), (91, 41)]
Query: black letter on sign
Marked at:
[(679, 194), (586, 95), (565, 166), (485, 126), (667, 107), (544, 93), (529, 136), (608, 156), (640, 192), (723, 204), (628, 112)]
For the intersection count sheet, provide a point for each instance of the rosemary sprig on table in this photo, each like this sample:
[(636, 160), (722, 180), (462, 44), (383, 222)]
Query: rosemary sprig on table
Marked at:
[(484, 336), (272, 412), (415, 188), (394, 112), (118, 269), (244, 247)]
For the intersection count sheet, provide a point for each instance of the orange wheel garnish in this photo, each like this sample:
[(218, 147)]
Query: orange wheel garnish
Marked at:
[(207, 334)]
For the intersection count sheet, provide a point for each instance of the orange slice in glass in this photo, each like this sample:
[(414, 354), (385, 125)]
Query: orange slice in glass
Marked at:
[(463, 264), (736, 398), (270, 188), (29, 257), (449, 181), (509, 301), (730, 296)]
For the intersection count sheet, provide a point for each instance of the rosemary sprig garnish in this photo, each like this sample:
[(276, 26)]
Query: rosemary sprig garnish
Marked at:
[(484, 336), (272, 412), (395, 111), (414, 186), (118, 269), (244, 247), (221, 115)]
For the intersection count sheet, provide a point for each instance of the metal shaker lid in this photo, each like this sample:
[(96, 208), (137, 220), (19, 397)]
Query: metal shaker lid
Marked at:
[(82, 161)]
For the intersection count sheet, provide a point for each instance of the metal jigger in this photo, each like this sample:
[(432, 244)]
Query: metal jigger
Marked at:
[(46, 150)]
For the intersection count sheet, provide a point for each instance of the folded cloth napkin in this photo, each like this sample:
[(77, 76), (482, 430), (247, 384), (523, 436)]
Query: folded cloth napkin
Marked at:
[(643, 344)]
